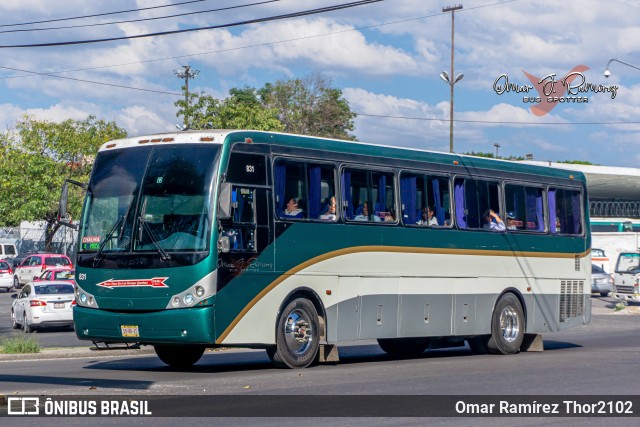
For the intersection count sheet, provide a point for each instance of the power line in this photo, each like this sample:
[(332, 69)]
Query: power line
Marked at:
[(141, 19), (211, 27), (55, 74), (102, 14), (259, 44), (93, 82)]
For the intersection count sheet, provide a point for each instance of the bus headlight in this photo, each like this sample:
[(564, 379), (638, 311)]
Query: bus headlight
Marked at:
[(85, 299), (188, 299), (200, 292)]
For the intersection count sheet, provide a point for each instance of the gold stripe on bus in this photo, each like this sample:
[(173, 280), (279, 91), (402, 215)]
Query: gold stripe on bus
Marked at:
[(396, 249)]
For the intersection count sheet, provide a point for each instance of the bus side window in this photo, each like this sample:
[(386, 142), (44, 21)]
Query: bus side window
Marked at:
[(565, 211), (524, 208), (303, 190), (473, 198), (376, 190), (421, 193)]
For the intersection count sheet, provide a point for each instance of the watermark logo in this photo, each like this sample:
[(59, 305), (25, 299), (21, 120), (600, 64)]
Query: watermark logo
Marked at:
[(23, 406), (551, 90)]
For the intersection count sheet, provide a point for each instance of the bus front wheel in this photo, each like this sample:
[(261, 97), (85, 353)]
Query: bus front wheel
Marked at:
[(180, 357), (507, 326), (297, 336)]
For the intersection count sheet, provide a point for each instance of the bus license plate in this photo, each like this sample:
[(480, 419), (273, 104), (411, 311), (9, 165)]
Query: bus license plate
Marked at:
[(129, 331), (58, 305)]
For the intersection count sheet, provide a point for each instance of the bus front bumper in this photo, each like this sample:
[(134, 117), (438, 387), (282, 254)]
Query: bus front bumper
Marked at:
[(180, 326), (621, 296)]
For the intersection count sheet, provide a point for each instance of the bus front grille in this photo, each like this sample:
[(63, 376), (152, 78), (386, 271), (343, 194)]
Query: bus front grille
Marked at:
[(571, 299), (624, 289)]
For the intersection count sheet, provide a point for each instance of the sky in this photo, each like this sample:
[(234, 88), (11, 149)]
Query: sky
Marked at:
[(386, 58)]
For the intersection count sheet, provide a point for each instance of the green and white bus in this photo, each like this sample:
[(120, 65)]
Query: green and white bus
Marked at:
[(294, 244)]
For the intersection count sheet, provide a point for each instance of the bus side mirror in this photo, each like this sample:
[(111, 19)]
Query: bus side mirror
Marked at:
[(224, 201), (63, 216)]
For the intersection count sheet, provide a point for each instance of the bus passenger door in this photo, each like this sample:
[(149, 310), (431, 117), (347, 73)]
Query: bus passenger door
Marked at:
[(249, 232)]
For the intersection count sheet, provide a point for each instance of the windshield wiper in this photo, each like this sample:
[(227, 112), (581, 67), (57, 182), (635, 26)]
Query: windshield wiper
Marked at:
[(143, 225), (107, 238)]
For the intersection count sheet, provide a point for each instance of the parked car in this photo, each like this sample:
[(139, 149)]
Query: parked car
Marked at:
[(6, 275), (7, 250), (63, 274), (34, 265), (599, 258), (43, 304), (600, 281)]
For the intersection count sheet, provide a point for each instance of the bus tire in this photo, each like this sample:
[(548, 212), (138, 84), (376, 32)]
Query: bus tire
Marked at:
[(180, 357), (297, 336), (404, 347), (507, 326)]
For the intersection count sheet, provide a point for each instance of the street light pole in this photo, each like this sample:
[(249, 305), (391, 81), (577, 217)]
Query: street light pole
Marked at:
[(607, 73), (450, 80), (186, 73)]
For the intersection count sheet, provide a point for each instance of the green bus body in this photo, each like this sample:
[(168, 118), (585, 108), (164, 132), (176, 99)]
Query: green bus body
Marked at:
[(365, 280)]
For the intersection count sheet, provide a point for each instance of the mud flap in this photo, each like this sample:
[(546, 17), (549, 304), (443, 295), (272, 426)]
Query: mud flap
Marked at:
[(328, 353), (532, 342)]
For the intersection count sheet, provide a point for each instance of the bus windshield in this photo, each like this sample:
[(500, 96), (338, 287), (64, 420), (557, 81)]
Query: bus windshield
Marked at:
[(148, 199)]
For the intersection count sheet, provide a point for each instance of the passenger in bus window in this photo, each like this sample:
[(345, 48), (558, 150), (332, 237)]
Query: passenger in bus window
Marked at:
[(389, 216), (365, 215), (511, 221), (493, 222), (292, 210), (428, 217), (330, 213)]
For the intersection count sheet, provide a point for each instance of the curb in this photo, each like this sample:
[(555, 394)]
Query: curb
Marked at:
[(77, 352), (92, 352)]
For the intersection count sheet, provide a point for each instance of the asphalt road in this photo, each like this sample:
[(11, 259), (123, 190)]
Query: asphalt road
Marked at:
[(598, 359)]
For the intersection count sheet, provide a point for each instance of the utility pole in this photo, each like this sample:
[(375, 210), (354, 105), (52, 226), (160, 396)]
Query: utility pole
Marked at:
[(450, 80), (186, 73)]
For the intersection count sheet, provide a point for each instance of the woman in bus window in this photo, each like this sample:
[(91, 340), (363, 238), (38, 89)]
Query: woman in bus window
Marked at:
[(365, 215), (330, 214), (292, 210)]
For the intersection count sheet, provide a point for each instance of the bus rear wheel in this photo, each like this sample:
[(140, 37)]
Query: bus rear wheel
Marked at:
[(297, 336), (507, 326), (404, 347), (180, 357)]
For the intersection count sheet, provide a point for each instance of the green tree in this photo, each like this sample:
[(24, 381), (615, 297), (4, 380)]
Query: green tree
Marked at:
[(239, 111), (37, 156), (305, 106), (577, 162), (310, 106)]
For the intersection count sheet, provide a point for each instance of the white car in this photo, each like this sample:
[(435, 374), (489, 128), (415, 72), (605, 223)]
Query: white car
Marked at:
[(6, 276), (40, 304)]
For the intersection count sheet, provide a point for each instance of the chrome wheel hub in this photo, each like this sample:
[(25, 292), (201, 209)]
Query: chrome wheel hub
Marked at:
[(298, 332), (509, 324)]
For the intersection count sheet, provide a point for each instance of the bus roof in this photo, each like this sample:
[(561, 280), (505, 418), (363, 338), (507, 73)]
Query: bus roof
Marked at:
[(219, 136)]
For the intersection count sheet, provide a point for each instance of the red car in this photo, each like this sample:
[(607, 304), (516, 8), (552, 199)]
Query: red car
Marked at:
[(57, 274), (34, 265)]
